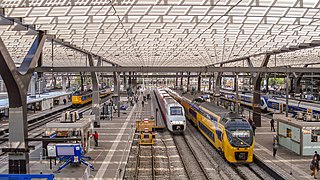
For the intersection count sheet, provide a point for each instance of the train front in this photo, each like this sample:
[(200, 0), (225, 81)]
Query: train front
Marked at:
[(176, 118), (239, 147)]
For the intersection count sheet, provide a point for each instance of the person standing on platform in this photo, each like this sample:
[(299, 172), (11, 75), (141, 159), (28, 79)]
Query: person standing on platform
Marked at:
[(314, 167), (95, 137), (318, 158), (253, 125), (272, 125), (250, 121), (275, 145)]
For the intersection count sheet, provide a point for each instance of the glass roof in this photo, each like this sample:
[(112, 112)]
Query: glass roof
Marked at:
[(165, 32)]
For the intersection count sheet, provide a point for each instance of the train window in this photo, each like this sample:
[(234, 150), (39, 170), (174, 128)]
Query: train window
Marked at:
[(289, 133), (193, 113), (175, 111), (314, 135), (314, 138)]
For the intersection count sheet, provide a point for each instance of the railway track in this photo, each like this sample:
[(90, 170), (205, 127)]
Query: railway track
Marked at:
[(190, 160), (246, 172), (168, 158), (145, 164)]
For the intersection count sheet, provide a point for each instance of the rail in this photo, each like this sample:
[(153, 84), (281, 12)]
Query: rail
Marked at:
[(193, 154)]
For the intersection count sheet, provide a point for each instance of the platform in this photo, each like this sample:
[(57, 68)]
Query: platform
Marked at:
[(110, 157), (286, 161)]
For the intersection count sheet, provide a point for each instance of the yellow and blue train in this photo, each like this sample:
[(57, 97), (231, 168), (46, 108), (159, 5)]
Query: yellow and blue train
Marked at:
[(230, 134), (81, 98)]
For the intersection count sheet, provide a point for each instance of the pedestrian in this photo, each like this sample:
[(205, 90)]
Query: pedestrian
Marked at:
[(314, 167), (95, 137), (272, 125), (275, 147), (318, 157), (250, 121), (142, 102), (136, 99), (64, 101), (253, 125), (131, 101)]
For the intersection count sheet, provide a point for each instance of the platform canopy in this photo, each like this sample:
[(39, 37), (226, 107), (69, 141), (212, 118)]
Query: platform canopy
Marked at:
[(166, 32)]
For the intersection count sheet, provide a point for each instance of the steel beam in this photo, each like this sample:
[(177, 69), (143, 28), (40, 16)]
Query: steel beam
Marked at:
[(188, 82), (95, 94), (116, 97), (257, 93), (181, 81), (17, 81), (152, 76), (199, 82), (155, 69), (176, 82), (124, 81), (217, 86)]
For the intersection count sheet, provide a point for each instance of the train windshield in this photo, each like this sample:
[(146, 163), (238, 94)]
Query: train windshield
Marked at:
[(240, 137), (239, 133), (176, 111)]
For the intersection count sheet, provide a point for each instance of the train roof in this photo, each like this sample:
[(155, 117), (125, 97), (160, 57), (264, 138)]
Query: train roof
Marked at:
[(235, 123), (220, 111), (170, 100), (81, 93)]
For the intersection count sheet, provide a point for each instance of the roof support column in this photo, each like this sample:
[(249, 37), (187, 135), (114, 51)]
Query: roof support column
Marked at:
[(116, 97), (181, 81), (210, 83), (68, 80), (267, 83), (1, 85), (257, 93), (124, 81), (129, 80), (236, 77), (81, 81), (217, 87), (176, 83), (32, 85), (17, 80), (287, 94), (199, 82), (297, 81), (95, 95), (64, 83), (188, 82)]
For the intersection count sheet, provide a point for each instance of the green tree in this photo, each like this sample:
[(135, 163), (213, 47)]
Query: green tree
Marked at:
[(276, 81)]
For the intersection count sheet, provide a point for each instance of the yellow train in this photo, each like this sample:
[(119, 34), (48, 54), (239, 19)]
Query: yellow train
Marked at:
[(230, 134), (80, 98)]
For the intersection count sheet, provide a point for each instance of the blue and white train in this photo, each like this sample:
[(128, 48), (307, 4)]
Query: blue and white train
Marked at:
[(274, 104)]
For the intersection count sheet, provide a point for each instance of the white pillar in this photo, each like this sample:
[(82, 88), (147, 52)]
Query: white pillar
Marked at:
[(1, 86), (33, 86), (64, 83)]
